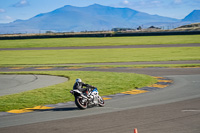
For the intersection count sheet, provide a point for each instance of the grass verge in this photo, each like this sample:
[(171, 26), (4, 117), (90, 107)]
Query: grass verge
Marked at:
[(107, 41), (107, 83)]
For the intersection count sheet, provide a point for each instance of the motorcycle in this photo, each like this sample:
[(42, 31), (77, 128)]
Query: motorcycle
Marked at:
[(88, 98)]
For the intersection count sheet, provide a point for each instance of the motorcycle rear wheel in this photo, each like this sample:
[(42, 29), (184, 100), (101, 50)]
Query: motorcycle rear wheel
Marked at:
[(79, 103)]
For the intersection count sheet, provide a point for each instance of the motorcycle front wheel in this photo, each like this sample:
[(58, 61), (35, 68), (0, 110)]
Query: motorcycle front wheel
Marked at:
[(79, 103), (101, 101)]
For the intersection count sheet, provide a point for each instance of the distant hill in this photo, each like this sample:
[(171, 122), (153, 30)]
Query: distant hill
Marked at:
[(91, 18), (194, 16)]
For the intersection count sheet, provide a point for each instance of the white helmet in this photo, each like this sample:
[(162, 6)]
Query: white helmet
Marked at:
[(78, 80)]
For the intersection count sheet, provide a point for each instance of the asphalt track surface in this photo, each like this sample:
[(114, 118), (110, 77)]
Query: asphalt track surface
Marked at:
[(11, 84), (174, 109)]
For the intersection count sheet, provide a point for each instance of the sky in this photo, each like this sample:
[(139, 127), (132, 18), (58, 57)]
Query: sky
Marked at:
[(11, 10)]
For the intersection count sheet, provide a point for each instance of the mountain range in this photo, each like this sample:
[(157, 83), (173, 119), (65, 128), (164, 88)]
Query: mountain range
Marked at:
[(92, 18)]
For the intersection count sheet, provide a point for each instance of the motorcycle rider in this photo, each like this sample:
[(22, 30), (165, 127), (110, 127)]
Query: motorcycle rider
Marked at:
[(79, 85), (86, 95)]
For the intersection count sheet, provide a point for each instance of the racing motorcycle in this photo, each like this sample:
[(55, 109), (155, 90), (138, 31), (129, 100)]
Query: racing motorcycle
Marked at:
[(88, 98)]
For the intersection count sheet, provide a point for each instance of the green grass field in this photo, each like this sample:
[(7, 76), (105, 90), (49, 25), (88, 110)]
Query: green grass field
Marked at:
[(106, 41), (32, 57), (106, 82)]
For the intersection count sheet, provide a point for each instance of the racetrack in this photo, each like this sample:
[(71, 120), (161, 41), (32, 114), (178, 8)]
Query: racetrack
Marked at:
[(174, 109), (11, 84), (178, 117), (161, 109)]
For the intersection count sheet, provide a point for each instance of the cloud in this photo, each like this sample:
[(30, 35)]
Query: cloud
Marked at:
[(155, 2), (177, 1), (21, 3), (8, 18), (138, 4), (2, 10), (125, 2)]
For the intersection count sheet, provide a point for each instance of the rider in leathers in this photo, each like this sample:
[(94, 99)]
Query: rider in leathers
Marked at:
[(79, 85)]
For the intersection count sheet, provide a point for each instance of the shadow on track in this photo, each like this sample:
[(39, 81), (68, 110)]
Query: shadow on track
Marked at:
[(58, 109)]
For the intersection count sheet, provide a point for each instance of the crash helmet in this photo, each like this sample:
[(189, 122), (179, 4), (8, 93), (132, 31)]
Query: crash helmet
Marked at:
[(78, 80)]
